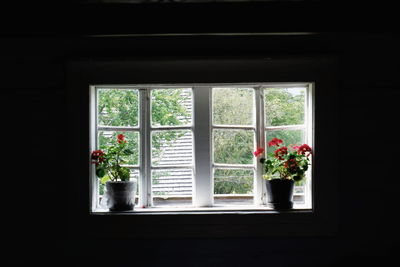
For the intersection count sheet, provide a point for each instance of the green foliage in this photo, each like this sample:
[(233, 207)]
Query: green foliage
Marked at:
[(233, 181), (109, 160), (233, 106), (233, 146), (118, 107), (167, 107), (284, 106), (287, 163)]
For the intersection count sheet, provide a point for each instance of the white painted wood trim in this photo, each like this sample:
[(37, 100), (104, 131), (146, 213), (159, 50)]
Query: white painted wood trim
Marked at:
[(286, 127), (163, 128), (118, 128), (309, 132), (259, 183), (93, 181), (233, 166), (203, 186), (145, 151), (234, 127)]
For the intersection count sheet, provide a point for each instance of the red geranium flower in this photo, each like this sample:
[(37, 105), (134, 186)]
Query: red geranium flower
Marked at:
[(303, 149), (121, 139), (280, 152), (275, 142), (97, 157), (259, 151)]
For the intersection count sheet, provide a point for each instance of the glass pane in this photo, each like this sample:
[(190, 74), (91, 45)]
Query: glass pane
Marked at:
[(233, 187), (284, 106), (233, 146), (171, 107), (107, 138), (299, 193), (172, 187), (118, 107), (233, 106), (289, 138), (172, 148), (134, 175)]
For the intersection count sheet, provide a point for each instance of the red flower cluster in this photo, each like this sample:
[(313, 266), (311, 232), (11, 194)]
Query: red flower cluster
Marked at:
[(121, 139), (291, 164), (280, 152), (275, 142), (97, 157), (259, 151), (303, 149)]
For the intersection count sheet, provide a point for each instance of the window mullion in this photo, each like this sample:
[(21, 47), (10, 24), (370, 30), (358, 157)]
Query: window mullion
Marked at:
[(145, 149), (259, 184), (93, 182), (203, 186), (309, 123)]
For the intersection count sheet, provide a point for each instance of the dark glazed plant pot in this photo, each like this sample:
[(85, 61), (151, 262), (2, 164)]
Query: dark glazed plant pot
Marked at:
[(121, 195), (280, 193)]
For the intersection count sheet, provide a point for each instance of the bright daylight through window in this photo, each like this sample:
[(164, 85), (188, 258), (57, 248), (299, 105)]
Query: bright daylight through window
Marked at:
[(190, 147)]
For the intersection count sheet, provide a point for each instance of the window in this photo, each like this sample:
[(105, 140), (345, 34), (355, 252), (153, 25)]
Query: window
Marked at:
[(193, 143)]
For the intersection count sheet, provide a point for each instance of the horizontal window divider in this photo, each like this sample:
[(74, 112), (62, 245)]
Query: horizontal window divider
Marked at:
[(233, 166), (118, 128), (131, 166), (213, 85), (161, 128), (285, 127), (234, 127), (171, 167)]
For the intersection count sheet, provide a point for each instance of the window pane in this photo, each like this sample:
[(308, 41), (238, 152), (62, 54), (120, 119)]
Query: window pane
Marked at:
[(172, 147), (233, 146), (117, 107), (289, 138), (172, 187), (171, 107), (233, 106), (284, 106), (233, 186), (107, 138)]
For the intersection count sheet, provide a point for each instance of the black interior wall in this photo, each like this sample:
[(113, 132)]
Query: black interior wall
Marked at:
[(33, 107)]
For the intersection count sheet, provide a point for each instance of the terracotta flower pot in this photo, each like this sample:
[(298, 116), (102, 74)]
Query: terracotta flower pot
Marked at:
[(280, 193)]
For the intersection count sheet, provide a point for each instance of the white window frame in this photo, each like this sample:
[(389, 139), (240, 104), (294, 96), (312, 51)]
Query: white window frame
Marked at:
[(202, 127)]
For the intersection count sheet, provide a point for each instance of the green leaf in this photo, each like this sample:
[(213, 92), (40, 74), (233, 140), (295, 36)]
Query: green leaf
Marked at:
[(128, 152), (100, 172), (105, 179), (124, 174)]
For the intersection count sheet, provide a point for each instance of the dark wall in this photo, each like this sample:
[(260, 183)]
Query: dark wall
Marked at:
[(35, 190)]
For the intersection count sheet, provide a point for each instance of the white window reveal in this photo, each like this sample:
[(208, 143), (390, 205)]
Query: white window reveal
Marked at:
[(193, 144)]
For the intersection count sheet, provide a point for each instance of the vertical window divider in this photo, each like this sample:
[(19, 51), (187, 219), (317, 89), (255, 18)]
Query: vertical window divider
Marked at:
[(145, 149), (309, 130), (93, 181), (259, 184), (203, 186)]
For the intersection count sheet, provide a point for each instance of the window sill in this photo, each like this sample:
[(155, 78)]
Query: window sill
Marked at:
[(204, 210)]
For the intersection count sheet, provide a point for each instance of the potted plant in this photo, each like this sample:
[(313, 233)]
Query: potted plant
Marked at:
[(119, 189), (282, 168)]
